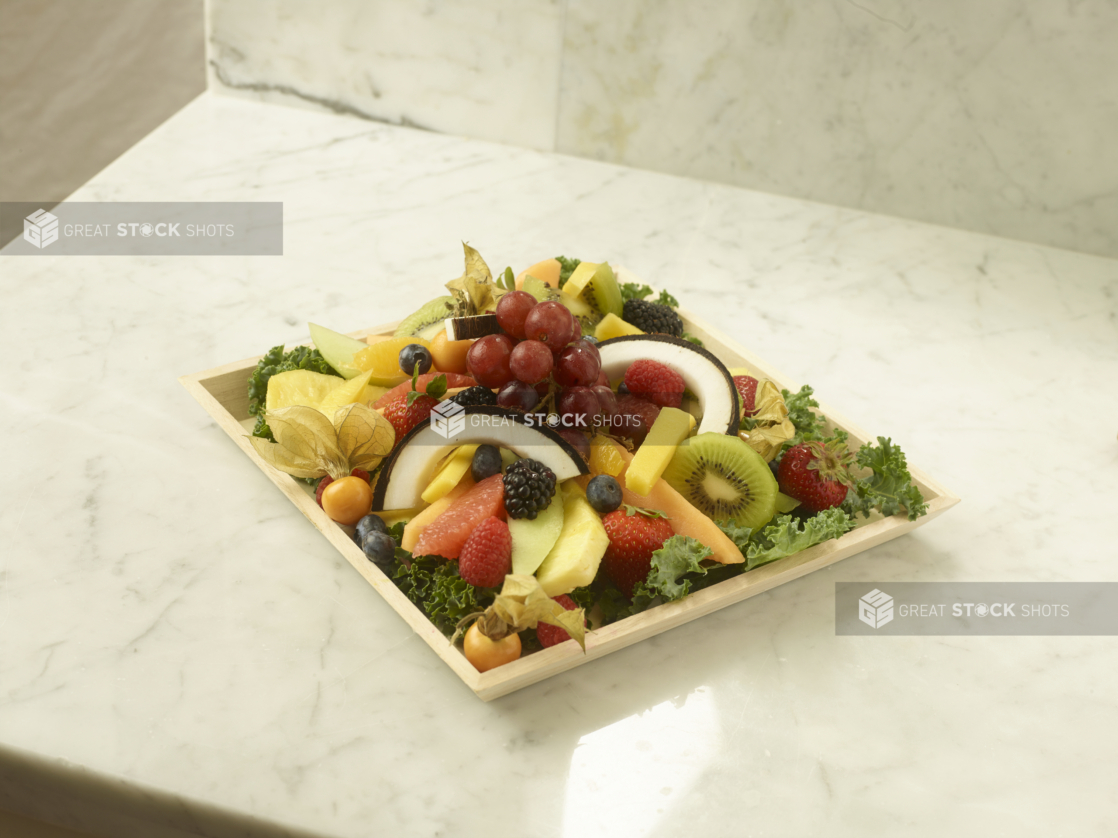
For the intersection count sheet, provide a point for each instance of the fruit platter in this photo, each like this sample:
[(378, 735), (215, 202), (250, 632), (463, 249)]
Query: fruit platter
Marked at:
[(537, 469)]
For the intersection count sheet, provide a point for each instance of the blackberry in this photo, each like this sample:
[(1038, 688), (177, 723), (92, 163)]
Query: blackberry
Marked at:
[(652, 318), (476, 395), (529, 487)]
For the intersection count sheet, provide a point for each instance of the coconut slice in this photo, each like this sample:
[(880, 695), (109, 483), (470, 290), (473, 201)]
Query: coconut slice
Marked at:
[(702, 372), (412, 463)]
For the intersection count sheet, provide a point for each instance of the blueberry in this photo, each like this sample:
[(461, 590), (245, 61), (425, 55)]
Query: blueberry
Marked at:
[(590, 339), (487, 462), (622, 390), (413, 354), (380, 549), (775, 467), (368, 524), (604, 494)]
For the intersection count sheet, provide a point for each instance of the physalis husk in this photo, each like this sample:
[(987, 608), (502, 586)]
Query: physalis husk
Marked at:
[(474, 291), (772, 427), (308, 444), (522, 604)]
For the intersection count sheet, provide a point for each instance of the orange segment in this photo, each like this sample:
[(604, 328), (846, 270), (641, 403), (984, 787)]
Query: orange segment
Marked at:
[(604, 458), (382, 359)]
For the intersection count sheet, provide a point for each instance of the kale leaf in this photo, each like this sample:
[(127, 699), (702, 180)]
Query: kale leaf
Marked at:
[(433, 583), (889, 488), (785, 536), (274, 362), (809, 425), (566, 268)]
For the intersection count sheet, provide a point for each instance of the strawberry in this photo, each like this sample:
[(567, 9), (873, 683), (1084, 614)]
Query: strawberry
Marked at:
[(816, 474), (486, 556), (404, 416), (413, 407), (656, 382), (553, 635), (747, 389), (634, 535)]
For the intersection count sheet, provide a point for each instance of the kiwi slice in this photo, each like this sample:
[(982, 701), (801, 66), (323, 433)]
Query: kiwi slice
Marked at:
[(597, 286), (432, 313), (724, 478)]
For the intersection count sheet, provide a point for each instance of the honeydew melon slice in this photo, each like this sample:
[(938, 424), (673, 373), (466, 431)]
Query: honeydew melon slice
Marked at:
[(412, 463), (337, 349), (703, 374)]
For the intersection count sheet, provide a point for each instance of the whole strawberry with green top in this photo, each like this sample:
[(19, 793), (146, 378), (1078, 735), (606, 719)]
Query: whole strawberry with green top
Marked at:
[(816, 474), (634, 535), (414, 407)]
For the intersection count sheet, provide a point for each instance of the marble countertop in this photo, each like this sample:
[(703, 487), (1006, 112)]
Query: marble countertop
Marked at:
[(182, 653)]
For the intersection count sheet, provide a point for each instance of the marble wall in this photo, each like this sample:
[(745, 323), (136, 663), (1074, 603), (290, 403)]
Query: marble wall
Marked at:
[(997, 116)]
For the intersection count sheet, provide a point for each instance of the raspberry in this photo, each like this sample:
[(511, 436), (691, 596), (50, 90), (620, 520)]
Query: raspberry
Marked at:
[(360, 472), (553, 635), (747, 389), (322, 484), (486, 556), (529, 487), (634, 417), (656, 382)]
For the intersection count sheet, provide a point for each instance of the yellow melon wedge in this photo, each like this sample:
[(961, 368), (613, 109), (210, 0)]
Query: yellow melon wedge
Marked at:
[(450, 475), (415, 527), (685, 518), (671, 427)]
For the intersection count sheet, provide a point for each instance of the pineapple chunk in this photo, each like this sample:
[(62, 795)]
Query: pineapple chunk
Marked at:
[(671, 427), (350, 392), (613, 326), (604, 458), (573, 561)]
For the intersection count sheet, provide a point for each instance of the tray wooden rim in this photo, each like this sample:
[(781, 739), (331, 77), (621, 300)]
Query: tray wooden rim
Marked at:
[(548, 662)]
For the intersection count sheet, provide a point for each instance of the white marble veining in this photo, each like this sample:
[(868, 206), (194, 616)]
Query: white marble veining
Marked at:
[(488, 68), (171, 628), (997, 116)]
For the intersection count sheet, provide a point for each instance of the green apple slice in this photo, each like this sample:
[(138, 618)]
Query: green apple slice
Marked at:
[(533, 539)]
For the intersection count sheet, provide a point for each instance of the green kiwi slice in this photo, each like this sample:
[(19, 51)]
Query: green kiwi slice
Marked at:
[(598, 289), (434, 312), (724, 479)]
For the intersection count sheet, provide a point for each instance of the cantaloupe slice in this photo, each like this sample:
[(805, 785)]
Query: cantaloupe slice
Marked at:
[(415, 527), (546, 271), (685, 518)]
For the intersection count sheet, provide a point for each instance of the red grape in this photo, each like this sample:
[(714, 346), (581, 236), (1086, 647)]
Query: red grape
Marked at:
[(518, 395), (577, 407), (551, 323), (579, 440), (511, 311), (577, 333), (531, 361), (488, 361), (578, 365), (603, 379), (607, 402)]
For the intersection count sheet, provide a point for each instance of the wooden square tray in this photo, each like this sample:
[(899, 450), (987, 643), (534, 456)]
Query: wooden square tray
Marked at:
[(223, 392)]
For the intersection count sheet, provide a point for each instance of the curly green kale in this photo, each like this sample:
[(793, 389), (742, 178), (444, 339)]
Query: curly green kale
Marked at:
[(809, 425), (785, 536), (889, 489), (433, 584), (566, 268), (274, 362), (638, 291)]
